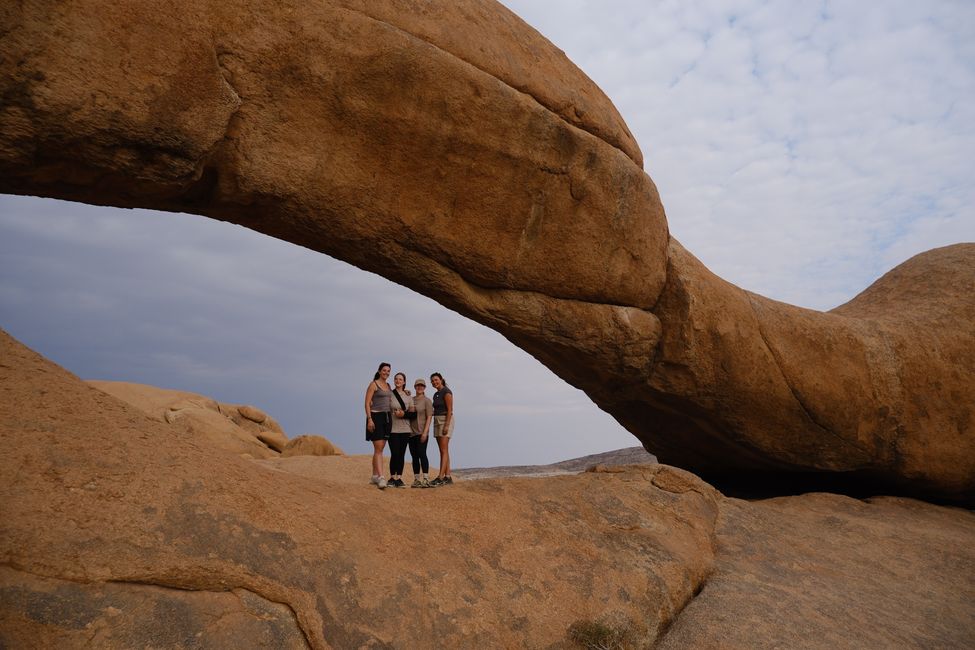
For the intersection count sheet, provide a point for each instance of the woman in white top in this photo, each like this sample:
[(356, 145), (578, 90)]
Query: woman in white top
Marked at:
[(399, 437)]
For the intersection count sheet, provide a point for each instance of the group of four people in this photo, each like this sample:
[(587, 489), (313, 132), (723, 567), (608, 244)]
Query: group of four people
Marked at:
[(396, 416)]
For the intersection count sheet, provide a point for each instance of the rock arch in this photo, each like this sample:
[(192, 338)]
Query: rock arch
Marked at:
[(525, 207)]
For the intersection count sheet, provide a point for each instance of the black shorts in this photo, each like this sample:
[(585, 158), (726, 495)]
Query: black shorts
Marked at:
[(384, 424)]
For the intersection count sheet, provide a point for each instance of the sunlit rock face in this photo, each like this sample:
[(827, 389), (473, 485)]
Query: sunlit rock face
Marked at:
[(450, 146), (121, 530)]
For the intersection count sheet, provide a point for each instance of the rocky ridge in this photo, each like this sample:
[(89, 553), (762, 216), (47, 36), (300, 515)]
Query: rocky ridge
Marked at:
[(120, 530), (101, 501), (628, 456)]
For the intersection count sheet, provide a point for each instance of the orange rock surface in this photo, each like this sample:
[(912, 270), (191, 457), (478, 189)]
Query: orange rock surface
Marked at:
[(109, 514), (523, 205)]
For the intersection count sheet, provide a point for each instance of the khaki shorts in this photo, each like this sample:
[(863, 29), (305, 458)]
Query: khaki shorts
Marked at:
[(438, 429)]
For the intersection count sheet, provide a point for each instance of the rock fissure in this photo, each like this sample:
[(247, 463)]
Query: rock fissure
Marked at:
[(228, 79), (671, 622), (502, 289), (800, 402), (226, 586), (522, 90)]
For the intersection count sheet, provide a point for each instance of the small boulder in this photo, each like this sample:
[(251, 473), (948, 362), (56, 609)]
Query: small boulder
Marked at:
[(252, 413), (273, 439), (311, 445)]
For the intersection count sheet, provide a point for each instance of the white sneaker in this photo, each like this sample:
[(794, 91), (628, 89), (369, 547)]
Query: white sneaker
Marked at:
[(374, 480), (381, 482)]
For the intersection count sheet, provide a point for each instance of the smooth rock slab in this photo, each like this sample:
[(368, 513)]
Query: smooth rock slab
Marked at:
[(828, 571), (40, 612)]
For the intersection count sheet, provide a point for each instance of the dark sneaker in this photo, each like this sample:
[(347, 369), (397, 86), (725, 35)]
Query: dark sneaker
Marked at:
[(397, 482), (437, 482), (447, 481)]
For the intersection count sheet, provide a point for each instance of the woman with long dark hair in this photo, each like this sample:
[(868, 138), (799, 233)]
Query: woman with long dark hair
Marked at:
[(399, 437), (443, 426), (379, 420)]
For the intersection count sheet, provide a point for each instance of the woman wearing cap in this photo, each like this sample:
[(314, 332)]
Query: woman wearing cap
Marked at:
[(399, 437), (443, 426), (420, 432), (378, 420)]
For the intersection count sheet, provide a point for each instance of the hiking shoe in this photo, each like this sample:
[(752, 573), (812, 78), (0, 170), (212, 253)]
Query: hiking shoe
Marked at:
[(399, 483), (426, 483), (447, 481), (417, 483), (382, 483)]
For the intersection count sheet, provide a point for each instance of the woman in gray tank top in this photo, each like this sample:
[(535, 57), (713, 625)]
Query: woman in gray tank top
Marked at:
[(379, 420)]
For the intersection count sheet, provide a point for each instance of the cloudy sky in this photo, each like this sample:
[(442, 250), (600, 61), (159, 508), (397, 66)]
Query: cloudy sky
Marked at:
[(801, 149)]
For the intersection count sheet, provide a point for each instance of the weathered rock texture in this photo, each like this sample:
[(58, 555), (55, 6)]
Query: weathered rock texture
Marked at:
[(828, 571), (98, 501), (40, 612), (227, 426), (117, 530), (524, 206)]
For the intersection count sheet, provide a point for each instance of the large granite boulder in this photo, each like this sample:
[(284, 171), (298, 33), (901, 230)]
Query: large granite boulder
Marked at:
[(122, 531), (119, 530), (522, 204), (230, 427)]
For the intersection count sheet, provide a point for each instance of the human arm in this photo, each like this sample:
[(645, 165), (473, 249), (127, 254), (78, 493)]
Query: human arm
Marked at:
[(449, 402), (370, 425), (427, 407), (398, 405)]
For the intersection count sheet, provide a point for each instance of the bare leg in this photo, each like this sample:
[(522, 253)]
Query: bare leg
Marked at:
[(443, 442), (377, 457)]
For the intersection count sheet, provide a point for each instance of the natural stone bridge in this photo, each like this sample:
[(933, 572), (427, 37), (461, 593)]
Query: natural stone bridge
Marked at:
[(447, 145)]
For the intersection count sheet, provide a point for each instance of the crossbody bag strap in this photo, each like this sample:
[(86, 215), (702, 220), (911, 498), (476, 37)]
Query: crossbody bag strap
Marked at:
[(402, 404)]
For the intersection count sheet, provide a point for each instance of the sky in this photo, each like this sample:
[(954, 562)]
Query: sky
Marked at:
[(801, 149)]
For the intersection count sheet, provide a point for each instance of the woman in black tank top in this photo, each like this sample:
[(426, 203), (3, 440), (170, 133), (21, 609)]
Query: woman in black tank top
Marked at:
[(379, 420), (443, 426)]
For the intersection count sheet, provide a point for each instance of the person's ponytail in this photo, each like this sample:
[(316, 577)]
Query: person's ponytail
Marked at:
[(380, 369)]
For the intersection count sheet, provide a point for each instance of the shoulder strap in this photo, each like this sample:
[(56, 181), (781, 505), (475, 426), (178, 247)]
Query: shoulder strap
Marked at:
[(399, 399)]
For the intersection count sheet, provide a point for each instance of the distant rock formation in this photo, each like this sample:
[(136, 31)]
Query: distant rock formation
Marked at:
[(523, 205), (120, 530), (310, 445), (628, 456), (228, 426), (239, 428)]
